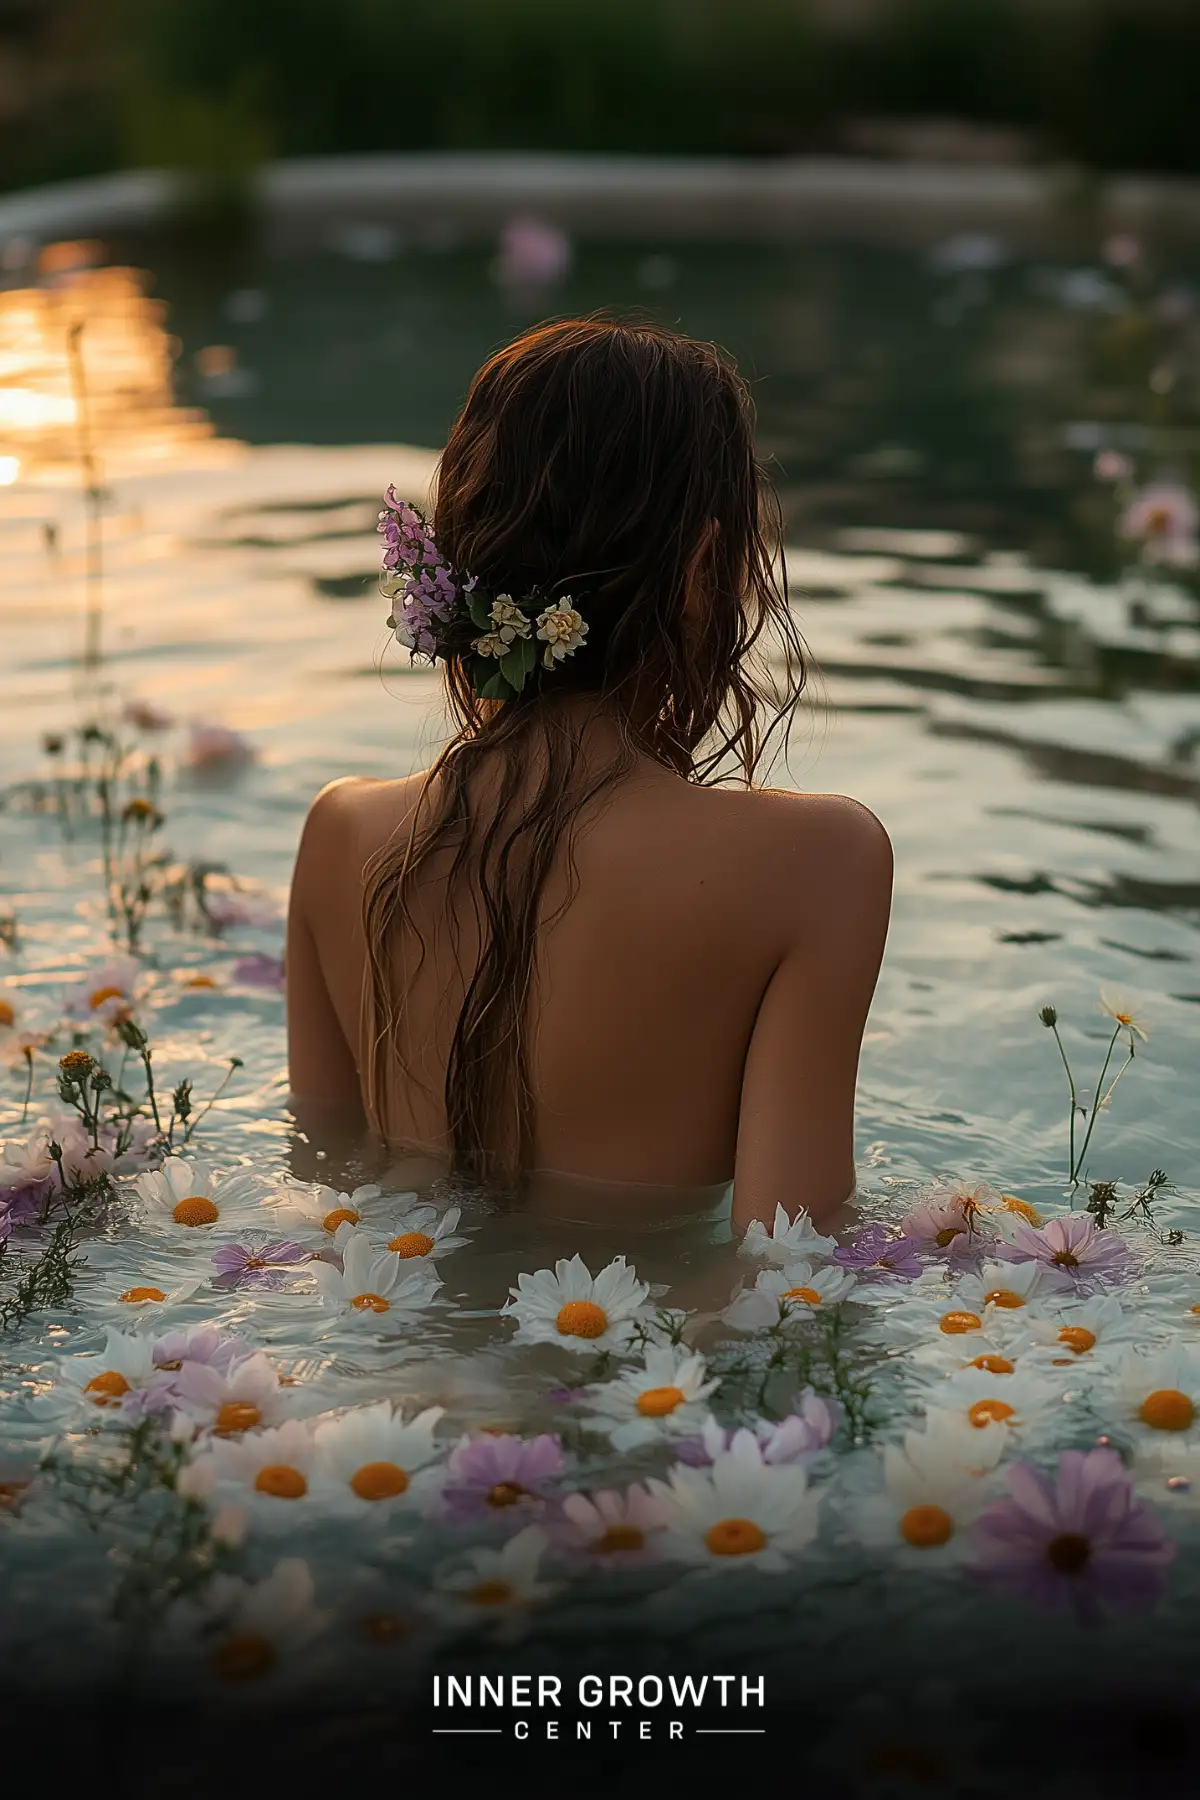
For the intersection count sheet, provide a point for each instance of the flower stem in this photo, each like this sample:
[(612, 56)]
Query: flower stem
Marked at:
[(1074, 1098), (1077, 1166)]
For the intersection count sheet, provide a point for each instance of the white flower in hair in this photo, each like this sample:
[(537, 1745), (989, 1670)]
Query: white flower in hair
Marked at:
[(509, 620), (562, 629), (491, 644)]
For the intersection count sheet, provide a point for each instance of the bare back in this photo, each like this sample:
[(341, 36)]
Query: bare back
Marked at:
[(697, 1010)]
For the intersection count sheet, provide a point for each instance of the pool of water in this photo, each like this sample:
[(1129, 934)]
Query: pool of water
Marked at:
[(1017, 698)]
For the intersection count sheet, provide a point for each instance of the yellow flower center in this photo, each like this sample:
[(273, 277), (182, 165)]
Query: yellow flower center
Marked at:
[(506, 1493), (947, 1235), (656, 1403), (1065, 1259), (926, 1527), (106, 1388), (370, 1303), (490, 1593), (995, 1365), (987, 1412), (200, 981), (1167, 1410), (808, 1295), (236, 1416), (618, 1538), (735, 1537), (379, 1481), (581, 1318), (955, 1324), (1158, 521), (1069, 1553), (412, 1243), (7, 1015), (341, 1215), (102, 994), (10, 1493), (1077, 1338), (196, 1209), (1004, 1297), (281, 1482), (243, 1656), (136, 1295), (1012, 1204)]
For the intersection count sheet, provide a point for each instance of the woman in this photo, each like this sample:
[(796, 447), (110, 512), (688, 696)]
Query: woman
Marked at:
[(562, 959)]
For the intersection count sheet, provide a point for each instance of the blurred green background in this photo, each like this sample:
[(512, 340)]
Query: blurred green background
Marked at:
[(219, 85)]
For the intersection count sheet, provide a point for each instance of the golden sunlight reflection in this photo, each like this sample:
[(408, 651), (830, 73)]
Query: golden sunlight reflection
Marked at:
[(127, 360)]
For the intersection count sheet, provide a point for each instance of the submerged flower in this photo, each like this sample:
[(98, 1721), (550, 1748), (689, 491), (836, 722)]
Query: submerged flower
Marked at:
[(263, 1265), (326, 1210), (800, 1435), (495, 1589), (269, 1471), (1072, 1252), (1077, 1541), (371, 1460), (251, 1626), (500, 1477), (1019, 1400), (610, 1528), (878, 1251), (571, 1307), (930, 1495), (1160, 1391), (241, 1396), (421, 1232), (111, 1380), (950, 1218), (663, 1398), (740, 1513), (782, 1293), (788, 1240)]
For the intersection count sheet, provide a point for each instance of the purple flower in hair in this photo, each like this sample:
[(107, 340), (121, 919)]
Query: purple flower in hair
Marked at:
[(876, 1251), (1078, 1541), (264, 1266), (501, 1478), (1073, 1253)]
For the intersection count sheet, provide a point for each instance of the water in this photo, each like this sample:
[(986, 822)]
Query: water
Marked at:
[(1023, 717)]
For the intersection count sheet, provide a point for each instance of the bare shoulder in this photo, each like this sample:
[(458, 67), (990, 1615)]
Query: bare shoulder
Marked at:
[(355, 816)]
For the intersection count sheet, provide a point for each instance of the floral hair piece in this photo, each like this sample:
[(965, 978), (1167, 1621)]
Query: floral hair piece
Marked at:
[(436, 612)]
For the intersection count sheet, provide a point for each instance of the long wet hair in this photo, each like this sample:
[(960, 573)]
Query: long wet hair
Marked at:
[(615, 463)]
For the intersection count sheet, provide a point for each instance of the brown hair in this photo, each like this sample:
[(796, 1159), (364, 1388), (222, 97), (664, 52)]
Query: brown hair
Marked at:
[(613, 462)]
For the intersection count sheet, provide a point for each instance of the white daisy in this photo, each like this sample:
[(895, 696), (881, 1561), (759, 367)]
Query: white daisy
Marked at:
[(244, 1396), (371, 1461), (372, 1282), (1166, 1471), (1159, 1392), (254, 1625), (150, 1292), (571, 1307), (778, 1293), (185, 1197), (1086, 1332), (495, 1589), (1021, 1401), (664, 1398), (270, 1472), (326, 1210), (789, 1240), (419, 1232), (928, 1498), (742, 1513), (117, 1377), (106, 993)]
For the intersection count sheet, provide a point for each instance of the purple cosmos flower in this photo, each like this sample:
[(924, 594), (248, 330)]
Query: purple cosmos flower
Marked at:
[(500, 1477), (242, 1265), (800, 1435), (1073, 1252), (1080, 1542), (259, 971), (874, 1250), (200, 1344)]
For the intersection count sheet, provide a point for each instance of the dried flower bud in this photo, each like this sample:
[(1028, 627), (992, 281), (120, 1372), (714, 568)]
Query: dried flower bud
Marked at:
[(75, 1064), (52, 744), (1049, 1017), (141, 812)]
